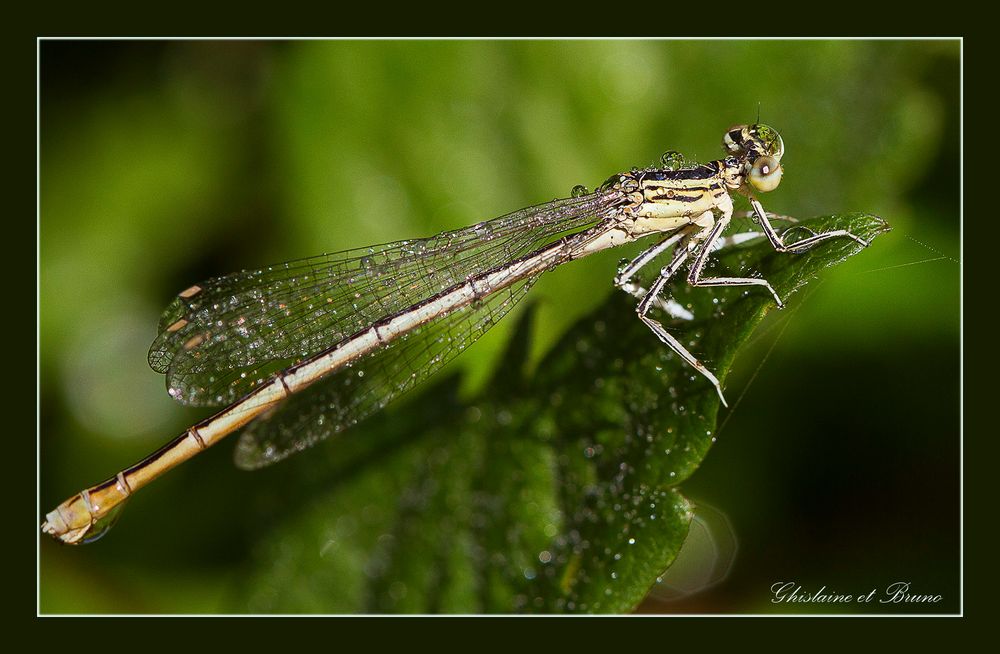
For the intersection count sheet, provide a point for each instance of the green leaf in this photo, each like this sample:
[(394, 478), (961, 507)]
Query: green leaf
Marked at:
[(555, 491)]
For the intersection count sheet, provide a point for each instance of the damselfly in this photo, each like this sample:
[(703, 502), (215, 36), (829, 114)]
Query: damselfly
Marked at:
[(305, 349)]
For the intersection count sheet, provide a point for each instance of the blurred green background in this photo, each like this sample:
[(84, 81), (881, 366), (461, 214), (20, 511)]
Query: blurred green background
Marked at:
[(164, 163)]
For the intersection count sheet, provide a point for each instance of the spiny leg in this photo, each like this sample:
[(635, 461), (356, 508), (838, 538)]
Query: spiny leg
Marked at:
[(736, 239), (680, 255), (739, 238), (694, 274), (752, 215), (800, 246), (645, 257), (624, 277)]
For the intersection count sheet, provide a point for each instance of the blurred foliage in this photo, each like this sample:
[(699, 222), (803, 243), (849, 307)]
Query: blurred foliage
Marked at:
[(164, 163)]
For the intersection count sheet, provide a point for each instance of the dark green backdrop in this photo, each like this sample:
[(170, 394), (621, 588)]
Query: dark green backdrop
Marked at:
[(163, 163)]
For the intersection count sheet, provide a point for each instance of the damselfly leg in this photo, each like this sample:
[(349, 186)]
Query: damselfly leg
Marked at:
[(704, 242), (694, 273), (778, 242), (623, 279), (680, 256)]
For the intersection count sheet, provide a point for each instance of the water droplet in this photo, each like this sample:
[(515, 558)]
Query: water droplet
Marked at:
[(672, 160), (579, 191), (609, 183)]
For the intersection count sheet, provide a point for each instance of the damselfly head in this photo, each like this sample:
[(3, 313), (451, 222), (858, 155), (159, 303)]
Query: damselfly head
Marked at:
[(752, 141), (760, 148)]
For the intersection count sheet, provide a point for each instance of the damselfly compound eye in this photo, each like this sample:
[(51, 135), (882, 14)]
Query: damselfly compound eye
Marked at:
[(765, 175)]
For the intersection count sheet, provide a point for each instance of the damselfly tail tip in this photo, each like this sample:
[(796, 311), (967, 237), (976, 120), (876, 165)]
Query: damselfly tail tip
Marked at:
[(54, 525), (49, 526)]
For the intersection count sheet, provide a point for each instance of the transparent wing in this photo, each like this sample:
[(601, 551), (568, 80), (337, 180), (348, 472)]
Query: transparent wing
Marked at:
[(222, 338), (349, 395)]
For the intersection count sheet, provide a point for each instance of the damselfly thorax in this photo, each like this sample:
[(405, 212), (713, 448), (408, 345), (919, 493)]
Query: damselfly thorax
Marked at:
[(305, 349)]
